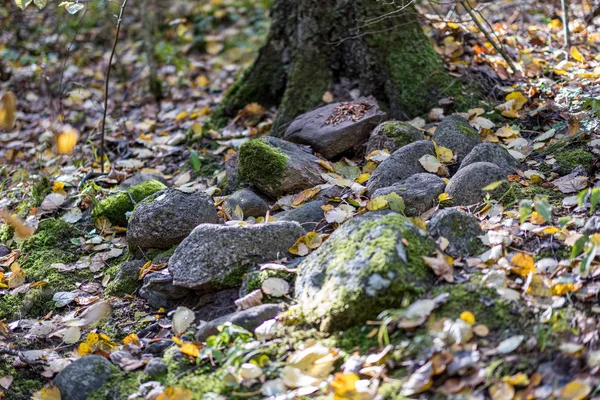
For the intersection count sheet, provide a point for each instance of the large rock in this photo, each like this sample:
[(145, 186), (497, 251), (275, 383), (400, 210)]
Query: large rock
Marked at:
[(330, 138), (309, 215), (467, 184), (277, 167), (460, 228), (420, 192), (251, 204), (216, 256), (493, 153), (248, 319), (392, 135), (167, 217), (370, 263), (83, 376), (455, 133), (402, 164)]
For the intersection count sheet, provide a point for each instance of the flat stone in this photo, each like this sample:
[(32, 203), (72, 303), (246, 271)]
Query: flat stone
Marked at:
[(466, 185), (331, 140), (309, 215), (83, 376), (248, 319), (251, 204), (276, 167), (420, 192), (492, 153), (215, 256), (455, 133), (402, 164), (392, 135), (460, 228), (165, 218)]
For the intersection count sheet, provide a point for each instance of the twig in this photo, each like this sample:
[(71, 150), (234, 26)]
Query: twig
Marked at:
[(487, 35), (565, 20), (112, 54)]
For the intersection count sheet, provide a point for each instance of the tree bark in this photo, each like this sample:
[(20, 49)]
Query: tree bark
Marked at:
[(316, 46)]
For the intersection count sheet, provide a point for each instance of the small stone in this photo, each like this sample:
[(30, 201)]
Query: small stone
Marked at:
[(308, 215), (466, 185), (141, 177), (248, 319), (158, 348), (591, 226), (493, 153), (455, 133), (333, 139), (165, 218), (392, 135), (83, 376), (126, 280), (402, 164), (420, 192), (216, 256), (155, 367), (159, 291), (251, 204), (460, 228), (546, 266), (4, 251), (276, 167)]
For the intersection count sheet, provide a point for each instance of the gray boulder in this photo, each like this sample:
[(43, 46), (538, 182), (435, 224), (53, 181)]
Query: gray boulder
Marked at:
[(155, 367), (420, 192), (251, 204), (332, 139), (141, 177), (460, 228), (248, 319), (455, 133), (402, 164), (309, 215), (165, 218), (392, 135), (83, 376), (493, 153), (277, 167), (467, 184), (370, 263), (216, 256), (159, 291)]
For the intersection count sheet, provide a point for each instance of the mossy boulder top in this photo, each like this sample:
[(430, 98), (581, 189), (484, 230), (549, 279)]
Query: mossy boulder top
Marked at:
[(116, 207), (370, 263), (493, 153), (455, 133), (460, 228), (165, 218), (216, 256), (329, 137), (276, 167), (392, 135), (466, 186), (402, 164)]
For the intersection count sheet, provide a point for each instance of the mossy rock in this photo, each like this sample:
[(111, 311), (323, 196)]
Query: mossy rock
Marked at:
[(116, 207), (392, 135), (254, 280), (569, 159), (371, 263)]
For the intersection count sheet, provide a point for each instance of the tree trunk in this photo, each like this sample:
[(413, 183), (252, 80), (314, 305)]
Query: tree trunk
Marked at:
[(340, 45)]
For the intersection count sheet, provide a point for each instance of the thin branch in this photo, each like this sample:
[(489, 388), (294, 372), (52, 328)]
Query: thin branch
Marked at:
[(112, 54), (489, 37), (565, 20)]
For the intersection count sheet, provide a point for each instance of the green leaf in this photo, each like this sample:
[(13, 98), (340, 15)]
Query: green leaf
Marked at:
[(543, 208), (22, 4), (395, 202), (594, 198), (582, 197), (493, 186), (195, 161), (579, 246), (40, 3), (525, 209), (586, 261)]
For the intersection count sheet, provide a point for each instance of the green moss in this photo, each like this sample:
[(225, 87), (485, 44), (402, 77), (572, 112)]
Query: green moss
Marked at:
[(410, 279), (25, 382), (6, 233), (231, 279), (51, 234), (261, 164), (571, 158), (402, 132), (253, 280), (467, 130), (517, 192), (116, 207), (118, 386), (485, 303)]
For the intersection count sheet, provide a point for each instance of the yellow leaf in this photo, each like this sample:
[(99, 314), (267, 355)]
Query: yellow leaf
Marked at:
[(443, 154), (17, 276), (344, 386), (560, 289), (523, 264), (84, 349), (377, 203), (576, 54), (519, 379), (510, 114), (181, 116), (444, 197), (92, 338), (502, 391), (190, 349), (507, 132), (518, 98), (313, 240), (66, 140), (551, 230), (58, 186), (176, 394), (452, 25), (8, 109), (299, 248), (419, 222), (132, 338), (48, 393), (536, 218), (304, 196), (575, 390), (363, 178), (595, 239), (468, 317), (327, 165), (538, 287), (22, 231), (202, 81)]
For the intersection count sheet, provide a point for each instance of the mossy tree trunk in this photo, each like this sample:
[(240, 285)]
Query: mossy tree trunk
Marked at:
[(340, 45)]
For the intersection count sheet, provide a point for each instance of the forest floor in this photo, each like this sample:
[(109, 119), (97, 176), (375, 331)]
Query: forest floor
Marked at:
[(523, 316)]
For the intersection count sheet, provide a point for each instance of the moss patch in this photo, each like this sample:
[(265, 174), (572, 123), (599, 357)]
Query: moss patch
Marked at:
[(571, 158), (116, 207), (26, 381), (118, 386), (402, 132), (517, 192), (261, 164)]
